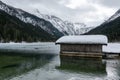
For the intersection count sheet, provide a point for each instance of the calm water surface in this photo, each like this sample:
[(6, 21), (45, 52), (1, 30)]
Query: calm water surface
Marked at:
[(53, 67)]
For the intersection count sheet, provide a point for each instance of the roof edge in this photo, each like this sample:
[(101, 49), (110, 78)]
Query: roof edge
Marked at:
[(83, 43)]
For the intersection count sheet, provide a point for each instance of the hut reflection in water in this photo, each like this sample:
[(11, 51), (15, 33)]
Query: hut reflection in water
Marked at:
[(78, 64)]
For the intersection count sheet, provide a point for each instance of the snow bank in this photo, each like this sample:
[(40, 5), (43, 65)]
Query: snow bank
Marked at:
[(112, 48), (46, 48), (83, 39), (38, 47)]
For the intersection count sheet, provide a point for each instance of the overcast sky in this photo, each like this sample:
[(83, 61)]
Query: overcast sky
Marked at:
[(90, 12)]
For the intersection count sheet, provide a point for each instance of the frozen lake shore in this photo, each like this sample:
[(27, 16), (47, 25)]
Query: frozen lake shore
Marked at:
[(112, 48), (48, 47), (38, 48)]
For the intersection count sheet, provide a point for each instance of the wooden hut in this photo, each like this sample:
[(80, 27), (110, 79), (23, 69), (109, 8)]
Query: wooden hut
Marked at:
[(82, 45)]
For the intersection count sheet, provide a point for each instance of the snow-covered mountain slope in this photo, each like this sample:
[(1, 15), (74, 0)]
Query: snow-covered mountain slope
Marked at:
[(110, 28), (49, 23), (65, 27), (115, 16), (13, 29), (30, 18)]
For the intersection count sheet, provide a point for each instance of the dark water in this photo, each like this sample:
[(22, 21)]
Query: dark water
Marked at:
[(14, 65), (20, 66)]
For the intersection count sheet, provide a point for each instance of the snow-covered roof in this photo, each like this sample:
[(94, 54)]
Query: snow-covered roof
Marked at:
[(83, 39)]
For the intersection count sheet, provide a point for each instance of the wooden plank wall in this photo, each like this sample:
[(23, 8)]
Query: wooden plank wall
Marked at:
[(81, 48)]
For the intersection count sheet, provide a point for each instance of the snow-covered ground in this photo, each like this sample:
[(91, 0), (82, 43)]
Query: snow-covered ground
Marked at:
[(112, 48), (48, 47), (39, 47)]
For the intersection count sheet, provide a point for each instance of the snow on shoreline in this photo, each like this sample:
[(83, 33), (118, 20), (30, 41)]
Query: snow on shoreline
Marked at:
[(112, 48), (38, 47), (48, 47)]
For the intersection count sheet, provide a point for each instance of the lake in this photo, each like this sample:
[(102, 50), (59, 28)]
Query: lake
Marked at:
[(41, 61)]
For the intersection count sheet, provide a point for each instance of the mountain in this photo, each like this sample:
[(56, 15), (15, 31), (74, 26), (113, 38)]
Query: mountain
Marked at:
[(18, 25), (65, 27), (31, 19), (111, 28), (42, 25), (113, 17), (13, 29)]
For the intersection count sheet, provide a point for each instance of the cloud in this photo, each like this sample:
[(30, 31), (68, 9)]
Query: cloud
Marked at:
[(76, 4), (111, 3), (90, 12)]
